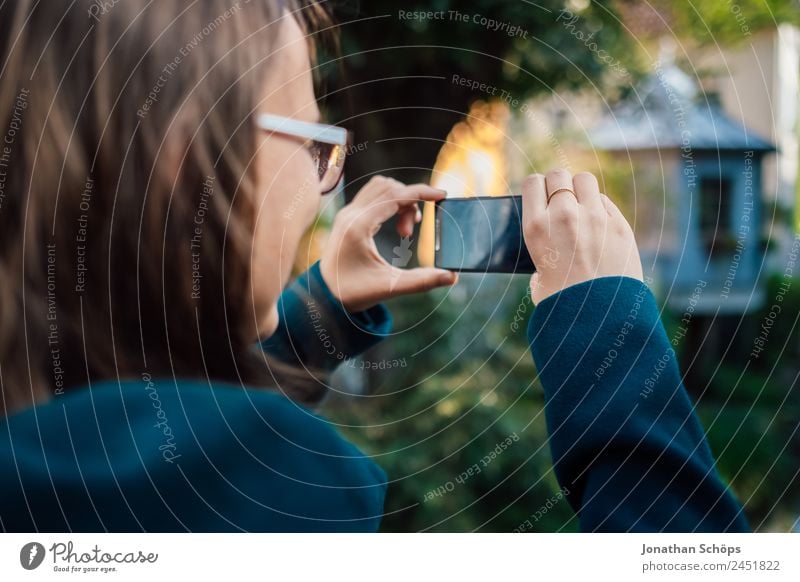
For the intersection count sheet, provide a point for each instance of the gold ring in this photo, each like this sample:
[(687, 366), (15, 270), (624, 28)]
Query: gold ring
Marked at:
[(557, 190)]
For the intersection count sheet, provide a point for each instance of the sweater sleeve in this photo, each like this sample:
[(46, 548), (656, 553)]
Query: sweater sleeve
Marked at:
[(316, 331), (625, 441)]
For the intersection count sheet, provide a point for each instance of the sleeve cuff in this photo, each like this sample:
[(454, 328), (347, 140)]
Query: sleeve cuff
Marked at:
[(364, 328), (315, 329), (595, 303)]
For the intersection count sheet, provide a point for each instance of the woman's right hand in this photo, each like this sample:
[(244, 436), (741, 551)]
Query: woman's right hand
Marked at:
[(574, 238)]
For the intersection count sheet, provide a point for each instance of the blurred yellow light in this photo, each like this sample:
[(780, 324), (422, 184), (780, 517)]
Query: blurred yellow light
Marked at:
[(472, 162)]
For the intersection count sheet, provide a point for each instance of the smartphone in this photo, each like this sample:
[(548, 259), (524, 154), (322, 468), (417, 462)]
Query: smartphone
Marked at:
[(481, 235)]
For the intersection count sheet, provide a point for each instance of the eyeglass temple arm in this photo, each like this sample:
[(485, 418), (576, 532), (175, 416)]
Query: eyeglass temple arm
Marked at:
[(303, 129)]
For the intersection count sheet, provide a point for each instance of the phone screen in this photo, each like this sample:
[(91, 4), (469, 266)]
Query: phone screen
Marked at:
[(481, 234)]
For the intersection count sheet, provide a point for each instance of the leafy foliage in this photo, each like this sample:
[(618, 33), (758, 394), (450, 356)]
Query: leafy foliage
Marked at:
[(730, 22), (464, 392), (470, 383), (398, 71)]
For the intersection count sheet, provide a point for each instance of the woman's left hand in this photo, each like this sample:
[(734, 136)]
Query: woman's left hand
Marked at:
[(351, 265)]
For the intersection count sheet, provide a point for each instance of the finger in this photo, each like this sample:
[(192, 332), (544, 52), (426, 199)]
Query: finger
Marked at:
[(558, 184), (397, 198), (421, 279), (413, 193), (406, 219), (587, 191), (371, 217), (375, 187), (534, 197), (611, 208)]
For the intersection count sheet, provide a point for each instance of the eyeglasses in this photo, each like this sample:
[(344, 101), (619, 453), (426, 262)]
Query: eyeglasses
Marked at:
[(327, 144)]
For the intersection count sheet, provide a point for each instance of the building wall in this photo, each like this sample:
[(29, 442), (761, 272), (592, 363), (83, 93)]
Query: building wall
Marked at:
[(759, 83)]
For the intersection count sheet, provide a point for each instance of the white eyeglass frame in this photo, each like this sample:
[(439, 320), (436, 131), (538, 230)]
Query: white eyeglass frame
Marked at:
[(329, 134)]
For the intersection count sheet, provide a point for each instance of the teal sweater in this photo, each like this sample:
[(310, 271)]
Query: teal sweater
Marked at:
[(625, 440), (159, 454)]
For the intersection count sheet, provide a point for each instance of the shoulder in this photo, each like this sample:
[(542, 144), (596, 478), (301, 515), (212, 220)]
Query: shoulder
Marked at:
[(270, 414), (282, 451), (219, 455)]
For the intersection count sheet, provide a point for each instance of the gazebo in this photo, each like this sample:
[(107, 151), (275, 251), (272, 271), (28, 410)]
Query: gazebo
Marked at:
[(698, 197)]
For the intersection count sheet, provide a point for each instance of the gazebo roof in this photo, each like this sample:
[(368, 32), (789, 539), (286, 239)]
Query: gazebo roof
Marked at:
[(666, 111)]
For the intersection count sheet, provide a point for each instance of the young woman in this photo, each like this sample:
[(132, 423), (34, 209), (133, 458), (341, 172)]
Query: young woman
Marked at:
[(160, 163)]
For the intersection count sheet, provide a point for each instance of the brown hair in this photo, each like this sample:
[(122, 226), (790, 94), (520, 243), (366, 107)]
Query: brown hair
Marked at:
[(125, 123)]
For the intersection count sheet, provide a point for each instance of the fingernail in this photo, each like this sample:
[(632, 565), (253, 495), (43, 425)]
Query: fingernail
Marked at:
[(447, 278)]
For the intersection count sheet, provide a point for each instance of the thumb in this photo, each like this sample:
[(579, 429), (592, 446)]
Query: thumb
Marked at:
[(420, 279)]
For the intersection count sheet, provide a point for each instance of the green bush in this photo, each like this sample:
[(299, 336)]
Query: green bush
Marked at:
[(469, 390)]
